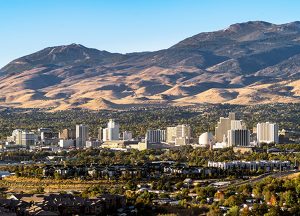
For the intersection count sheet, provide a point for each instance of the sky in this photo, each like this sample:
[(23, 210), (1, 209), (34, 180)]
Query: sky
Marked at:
[(27, 26)]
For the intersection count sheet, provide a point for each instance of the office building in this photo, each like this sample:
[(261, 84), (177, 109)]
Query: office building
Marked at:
[(267, 132), (238, 137), (82, 135), (155, 136), (223, 126)]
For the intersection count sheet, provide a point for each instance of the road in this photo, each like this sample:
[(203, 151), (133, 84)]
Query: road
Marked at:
[(259, 178)]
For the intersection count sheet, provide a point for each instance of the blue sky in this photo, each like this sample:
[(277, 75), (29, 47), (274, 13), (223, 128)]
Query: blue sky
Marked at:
[(124, 26)]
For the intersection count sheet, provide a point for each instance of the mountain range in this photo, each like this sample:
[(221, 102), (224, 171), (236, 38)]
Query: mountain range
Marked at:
[(247, 63)]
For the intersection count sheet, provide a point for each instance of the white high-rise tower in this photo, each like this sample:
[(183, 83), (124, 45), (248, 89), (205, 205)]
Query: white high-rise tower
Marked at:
[(112, 131), (267, 132), (82, 135)]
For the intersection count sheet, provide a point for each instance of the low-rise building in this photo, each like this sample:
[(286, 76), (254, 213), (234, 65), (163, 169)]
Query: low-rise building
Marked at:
[(66, 143), (92, 144), (252, 165)]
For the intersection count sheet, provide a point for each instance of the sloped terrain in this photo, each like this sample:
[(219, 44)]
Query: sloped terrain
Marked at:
[(246, 63)]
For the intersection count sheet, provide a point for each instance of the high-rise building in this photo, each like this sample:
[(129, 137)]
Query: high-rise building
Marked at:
[(82, 135), (179, 135), (155, 136), (16, 136), (112, 132), (267, 132), (28, 138), (45, 133), (237, 125), (223, 126), (23, 137), (67, 134), (171, 135), (183, 134), (238, 137), (183, 131), (105, 134)]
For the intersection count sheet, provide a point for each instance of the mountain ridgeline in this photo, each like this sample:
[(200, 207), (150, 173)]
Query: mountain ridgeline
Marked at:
[(246, 63)]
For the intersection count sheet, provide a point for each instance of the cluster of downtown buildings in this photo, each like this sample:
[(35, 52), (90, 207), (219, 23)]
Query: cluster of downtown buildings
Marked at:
[(229, 132)]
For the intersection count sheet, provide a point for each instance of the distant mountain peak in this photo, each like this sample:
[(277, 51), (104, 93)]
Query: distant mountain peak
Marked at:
[(64, 48), (59, 56), (250, 25)]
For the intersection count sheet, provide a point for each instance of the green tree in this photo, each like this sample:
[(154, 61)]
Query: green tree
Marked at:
[(130, 185), (290, 198), (233, 211), (214, 211), (274, 211)]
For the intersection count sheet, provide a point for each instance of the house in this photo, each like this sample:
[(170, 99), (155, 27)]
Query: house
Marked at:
[(113, 202), (62, 204), (13, 205), (36, 210), (7, 212)]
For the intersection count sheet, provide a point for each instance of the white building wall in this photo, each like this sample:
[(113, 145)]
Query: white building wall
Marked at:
[(267, 132)]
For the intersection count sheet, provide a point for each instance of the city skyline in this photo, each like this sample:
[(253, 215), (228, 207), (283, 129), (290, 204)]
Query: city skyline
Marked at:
[(149, 107)]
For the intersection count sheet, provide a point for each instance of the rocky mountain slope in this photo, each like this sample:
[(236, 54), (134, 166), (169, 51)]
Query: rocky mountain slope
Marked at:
[(246, 63)]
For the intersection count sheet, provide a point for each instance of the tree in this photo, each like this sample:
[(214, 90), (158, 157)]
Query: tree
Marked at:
[(130, 185), (273, 200), (274, 211), (179, 185), (183, 203), (214, 211), (232, 201), (144, 198), (290, 198), (259, 209), (17, 174), (233, 211), (245, 212), (57, 176)]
